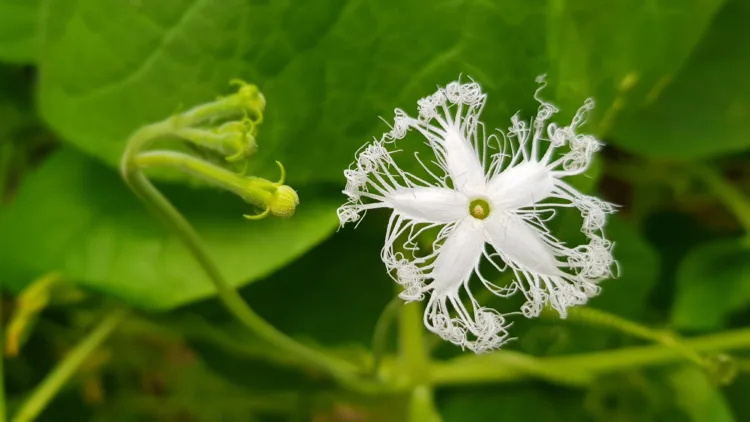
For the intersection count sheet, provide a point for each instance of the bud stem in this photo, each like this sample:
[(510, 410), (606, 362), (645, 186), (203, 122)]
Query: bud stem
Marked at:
[(254, 190)]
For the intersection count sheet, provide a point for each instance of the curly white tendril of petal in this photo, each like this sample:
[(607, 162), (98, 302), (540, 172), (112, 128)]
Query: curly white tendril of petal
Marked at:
[(487, 196)]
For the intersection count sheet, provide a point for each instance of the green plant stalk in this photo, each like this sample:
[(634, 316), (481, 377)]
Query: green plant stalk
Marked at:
[(730, 196), (380, 334), (415, 360), (341, 370), (65, 369), (514, 364), (422, 405), (603, 319), (493, 368)]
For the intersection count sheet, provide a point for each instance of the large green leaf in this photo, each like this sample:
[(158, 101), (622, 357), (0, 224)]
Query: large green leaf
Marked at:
[(18, 30), (712, 281), (330, 68), (705, 109), (76, 216)]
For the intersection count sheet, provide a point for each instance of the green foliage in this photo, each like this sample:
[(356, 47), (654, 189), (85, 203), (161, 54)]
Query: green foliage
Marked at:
[(639, 270), (150, 60), (703, 109), (712, 281), (19, 39), (95, 231)]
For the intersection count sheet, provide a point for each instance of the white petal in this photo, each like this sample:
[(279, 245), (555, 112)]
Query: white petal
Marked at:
[(520, 186), (431, 204), (463, 163), (458, 256), (521, 244)]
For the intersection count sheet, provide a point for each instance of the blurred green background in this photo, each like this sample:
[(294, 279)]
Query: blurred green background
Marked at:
[(672, 85)]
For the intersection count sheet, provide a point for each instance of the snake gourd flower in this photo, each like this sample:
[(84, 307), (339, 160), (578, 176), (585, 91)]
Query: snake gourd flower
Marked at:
[(489, 198)]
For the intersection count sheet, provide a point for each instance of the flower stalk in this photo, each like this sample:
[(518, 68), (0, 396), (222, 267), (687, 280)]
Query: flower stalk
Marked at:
[(413, 353), (422, 406)]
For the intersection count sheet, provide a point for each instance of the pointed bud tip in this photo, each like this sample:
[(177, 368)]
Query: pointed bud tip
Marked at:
[(284, 202)]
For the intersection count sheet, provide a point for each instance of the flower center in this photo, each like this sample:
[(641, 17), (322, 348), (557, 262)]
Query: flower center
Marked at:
[(479, 208)]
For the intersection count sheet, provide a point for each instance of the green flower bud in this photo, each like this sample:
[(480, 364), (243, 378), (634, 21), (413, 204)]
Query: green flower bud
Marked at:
[(284, 202), (251, 100)]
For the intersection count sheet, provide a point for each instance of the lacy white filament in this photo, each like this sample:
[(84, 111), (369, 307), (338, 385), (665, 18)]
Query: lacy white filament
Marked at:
[(489, 197)]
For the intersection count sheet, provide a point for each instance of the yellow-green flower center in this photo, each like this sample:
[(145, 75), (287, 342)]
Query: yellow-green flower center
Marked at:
[(479, 209)]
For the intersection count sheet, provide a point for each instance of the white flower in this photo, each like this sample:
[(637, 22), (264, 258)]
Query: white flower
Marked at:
[(487, 196)]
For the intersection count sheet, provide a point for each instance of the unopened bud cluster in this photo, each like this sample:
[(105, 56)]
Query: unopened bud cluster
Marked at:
[(225, 129)]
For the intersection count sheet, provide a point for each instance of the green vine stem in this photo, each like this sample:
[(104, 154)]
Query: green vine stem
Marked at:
[(586, 367), (65, 369), (343, 371), (596, 317), (515, 366)]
